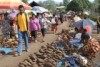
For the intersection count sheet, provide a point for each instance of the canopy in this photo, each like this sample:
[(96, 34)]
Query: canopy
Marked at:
[(12, 15), (39, 9), (86, 23), (61, 7), (12, 4)]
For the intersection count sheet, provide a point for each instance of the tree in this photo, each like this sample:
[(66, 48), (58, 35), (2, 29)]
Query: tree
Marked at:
[(74, 6), (84, 4), (40, 3), (25, 1), (98, 9), (97, 5), (65, 2), (49, 4)]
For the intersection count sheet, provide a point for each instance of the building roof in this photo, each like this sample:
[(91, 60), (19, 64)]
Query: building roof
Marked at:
[(32, 4)]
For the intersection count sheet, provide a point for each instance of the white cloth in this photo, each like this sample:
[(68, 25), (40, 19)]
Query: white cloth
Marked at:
[(78, 36), (82, 60), (76, 18), (53, 21)]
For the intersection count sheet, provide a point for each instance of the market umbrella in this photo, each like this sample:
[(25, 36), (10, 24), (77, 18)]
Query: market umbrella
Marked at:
[(39, 9), (27, 7), (12, 15), (85, 23), (12, 4)]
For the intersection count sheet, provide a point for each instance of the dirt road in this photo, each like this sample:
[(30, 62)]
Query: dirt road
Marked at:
[(10, 61)]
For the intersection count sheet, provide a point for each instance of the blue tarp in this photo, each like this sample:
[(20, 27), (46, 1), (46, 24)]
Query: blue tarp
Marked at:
[(71, 60), (60, 45), (76, 43), (6, 50)]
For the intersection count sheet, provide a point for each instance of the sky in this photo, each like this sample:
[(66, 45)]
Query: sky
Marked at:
[(54, 0)]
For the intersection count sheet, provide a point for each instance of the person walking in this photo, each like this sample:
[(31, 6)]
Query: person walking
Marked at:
[(98, 25), (54, 24), (22, 23), (44, 22), (34, 26), (14, 31), (61, 17)]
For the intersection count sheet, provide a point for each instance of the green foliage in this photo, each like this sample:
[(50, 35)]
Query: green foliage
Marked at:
[(98, 8), (78, 5), (84, 4), (74, 6), (25, 1), (93, 17), (66, 2), (97, 3), (49, 4)]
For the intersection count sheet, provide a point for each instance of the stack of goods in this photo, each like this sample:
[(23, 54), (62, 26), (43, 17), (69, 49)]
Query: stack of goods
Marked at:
[(60, 54), (46, 57), (91, 48), (12, 42), (51, 56)]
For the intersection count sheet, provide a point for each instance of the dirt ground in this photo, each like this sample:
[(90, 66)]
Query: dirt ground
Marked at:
[(10, 61)]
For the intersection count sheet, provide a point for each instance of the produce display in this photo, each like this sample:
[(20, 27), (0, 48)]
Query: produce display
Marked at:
[(49, 56), (11, 42), (61, 54)]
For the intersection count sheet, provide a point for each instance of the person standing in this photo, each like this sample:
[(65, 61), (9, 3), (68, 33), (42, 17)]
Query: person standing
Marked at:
[(44, 22), (14, 31), (34, 26), (98, 24), (22, 23), (61, 17), (6, 26), (54, 24)]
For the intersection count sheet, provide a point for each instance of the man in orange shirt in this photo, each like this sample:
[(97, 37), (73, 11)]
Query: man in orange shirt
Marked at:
[(22, 22)]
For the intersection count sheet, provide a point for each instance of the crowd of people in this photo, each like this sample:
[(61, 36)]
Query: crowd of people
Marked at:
[(24, 26)]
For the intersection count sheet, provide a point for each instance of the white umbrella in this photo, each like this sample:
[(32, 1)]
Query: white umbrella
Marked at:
[(39, 9)]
